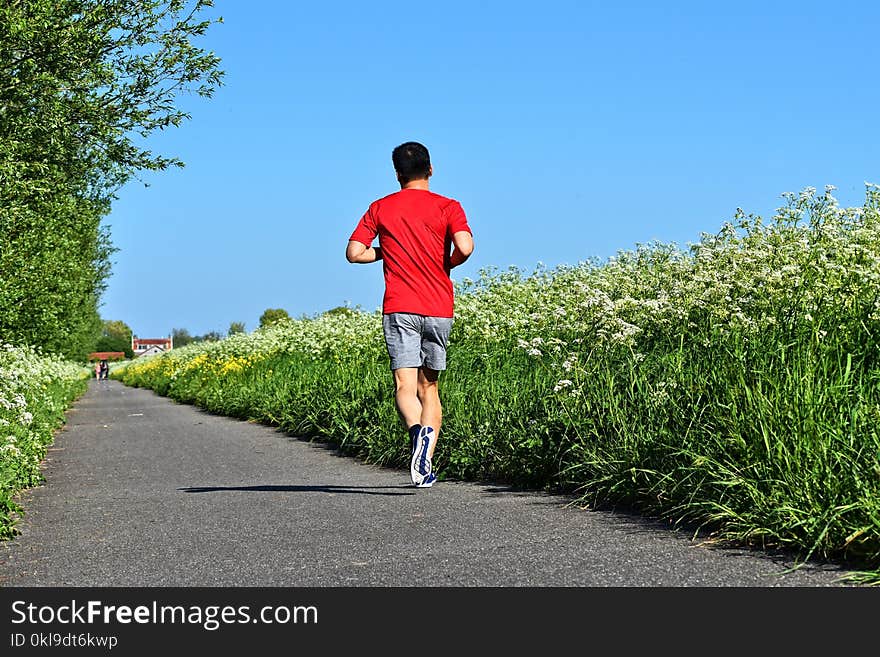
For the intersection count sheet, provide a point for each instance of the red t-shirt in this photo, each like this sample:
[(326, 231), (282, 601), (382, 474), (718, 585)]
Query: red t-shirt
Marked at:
[(415, 228)]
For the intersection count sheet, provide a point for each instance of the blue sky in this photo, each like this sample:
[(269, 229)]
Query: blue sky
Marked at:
[(567, 130)]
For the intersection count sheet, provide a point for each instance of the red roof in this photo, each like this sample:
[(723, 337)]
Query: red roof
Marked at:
[(152, 340), (107, 355)]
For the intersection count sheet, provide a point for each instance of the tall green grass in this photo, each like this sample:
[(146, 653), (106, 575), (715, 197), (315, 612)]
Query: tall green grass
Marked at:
[(733, 385)]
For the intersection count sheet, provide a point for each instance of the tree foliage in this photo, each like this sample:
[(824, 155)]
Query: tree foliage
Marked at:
[(83, 84), (343, 311), (210, 336), (272, 315), (181, 337), (115, 336), (117, 329)]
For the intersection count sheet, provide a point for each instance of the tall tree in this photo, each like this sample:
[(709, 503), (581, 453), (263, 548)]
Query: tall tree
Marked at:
[(115, 336), (272, 315), (235, 327), (83, 84), (181, 337)]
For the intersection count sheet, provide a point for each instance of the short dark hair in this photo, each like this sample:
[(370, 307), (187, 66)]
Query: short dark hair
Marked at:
[(411, 161)]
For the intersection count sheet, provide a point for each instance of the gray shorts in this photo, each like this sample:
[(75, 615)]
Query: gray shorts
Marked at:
[(416, 340)]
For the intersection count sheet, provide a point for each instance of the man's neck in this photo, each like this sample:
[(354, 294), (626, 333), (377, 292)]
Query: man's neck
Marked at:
[(416, 184)]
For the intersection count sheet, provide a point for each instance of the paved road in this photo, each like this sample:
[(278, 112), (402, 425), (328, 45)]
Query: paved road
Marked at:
[(141, 491)]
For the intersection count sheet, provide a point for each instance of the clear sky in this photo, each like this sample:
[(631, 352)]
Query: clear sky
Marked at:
[(567, 130)]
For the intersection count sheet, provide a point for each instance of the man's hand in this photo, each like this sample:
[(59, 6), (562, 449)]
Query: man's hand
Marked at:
[(463, 246), (358, 252)]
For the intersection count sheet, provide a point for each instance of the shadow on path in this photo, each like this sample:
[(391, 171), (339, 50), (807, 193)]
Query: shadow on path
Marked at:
[(360, 490)]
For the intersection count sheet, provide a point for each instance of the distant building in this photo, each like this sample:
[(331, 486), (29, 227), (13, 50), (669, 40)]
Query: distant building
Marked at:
[(150, 346), (107, 355)]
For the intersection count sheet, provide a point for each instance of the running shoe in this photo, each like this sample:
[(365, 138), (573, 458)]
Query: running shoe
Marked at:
[(420, 464), (414, 440)]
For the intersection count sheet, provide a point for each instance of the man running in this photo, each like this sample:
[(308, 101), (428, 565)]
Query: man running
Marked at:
[(422, 236)]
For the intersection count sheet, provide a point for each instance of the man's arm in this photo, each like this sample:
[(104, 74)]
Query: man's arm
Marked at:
[(359, 252), (463, 246)]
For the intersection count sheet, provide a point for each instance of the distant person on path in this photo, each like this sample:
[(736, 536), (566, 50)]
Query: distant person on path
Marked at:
[(105, 369), (422, 236), (98, 369)]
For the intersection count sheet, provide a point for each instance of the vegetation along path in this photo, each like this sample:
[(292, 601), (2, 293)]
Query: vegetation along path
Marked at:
[(141, 491)]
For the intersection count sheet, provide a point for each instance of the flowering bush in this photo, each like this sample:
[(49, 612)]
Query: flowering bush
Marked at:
[(35, 390)]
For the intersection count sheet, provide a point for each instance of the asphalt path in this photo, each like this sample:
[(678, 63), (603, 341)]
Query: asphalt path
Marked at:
[(142, 491)]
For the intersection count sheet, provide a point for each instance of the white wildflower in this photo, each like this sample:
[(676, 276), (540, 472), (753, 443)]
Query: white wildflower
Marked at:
[(10, 451)]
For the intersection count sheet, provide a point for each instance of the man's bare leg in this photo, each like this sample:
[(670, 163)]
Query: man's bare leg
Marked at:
[(429, 401), (406, 395)]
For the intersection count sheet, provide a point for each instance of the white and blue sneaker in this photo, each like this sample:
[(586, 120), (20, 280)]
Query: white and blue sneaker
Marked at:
[(414, 431), (414, 435), (420, 463)]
